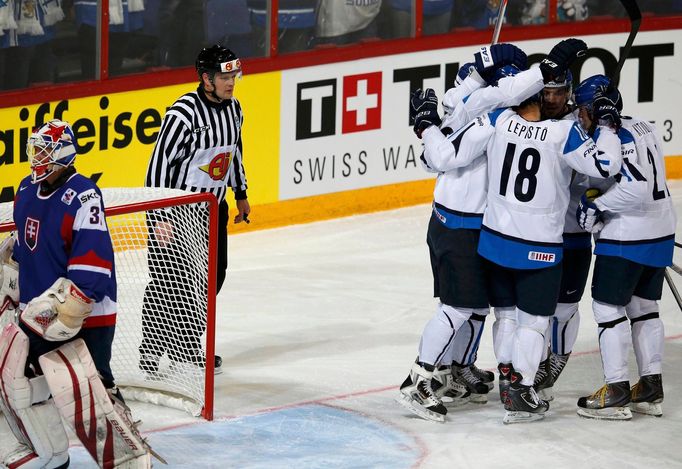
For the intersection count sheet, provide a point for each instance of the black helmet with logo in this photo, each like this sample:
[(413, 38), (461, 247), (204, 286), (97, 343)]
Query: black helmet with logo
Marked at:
[(217, 59)]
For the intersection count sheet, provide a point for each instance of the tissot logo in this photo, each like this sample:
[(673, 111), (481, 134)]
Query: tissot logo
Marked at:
[(361, 102), (316, 106), (315, 109)]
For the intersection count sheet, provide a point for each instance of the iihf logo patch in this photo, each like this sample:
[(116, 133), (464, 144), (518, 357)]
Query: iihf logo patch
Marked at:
[(541, 256), (31, 230), (68, 196)]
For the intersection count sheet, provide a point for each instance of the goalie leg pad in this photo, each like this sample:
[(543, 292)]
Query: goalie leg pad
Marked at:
[(29, 412), (104, 427)]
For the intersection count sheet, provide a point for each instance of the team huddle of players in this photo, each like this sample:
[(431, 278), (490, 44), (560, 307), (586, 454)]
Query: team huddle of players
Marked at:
[(529, 171)]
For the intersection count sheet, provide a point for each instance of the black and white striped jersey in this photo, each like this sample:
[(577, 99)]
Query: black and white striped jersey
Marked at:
[(199, 147)]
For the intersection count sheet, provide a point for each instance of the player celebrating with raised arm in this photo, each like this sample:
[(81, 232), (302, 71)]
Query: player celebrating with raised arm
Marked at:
[(563, 329), (530, 163), (56, 362), (459, 278), (634, 244)]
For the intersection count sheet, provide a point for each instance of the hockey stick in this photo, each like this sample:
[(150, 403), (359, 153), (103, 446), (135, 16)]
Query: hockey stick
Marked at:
[(678, 245), (673, 289), (676, 268), (500, 20), (635, 20)]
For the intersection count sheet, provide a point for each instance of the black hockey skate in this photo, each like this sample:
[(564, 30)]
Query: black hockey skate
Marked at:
[(449, 391), (523, 404), (610, 402), (557, 364), (646, 395), (418, 397), (544, 381), (488, 377), (476, 386), (503, 379)]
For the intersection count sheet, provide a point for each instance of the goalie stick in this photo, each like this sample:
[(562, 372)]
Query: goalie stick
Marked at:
[(635, 19), (500, 20)]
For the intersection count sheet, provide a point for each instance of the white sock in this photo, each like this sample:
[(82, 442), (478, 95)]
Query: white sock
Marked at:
[(503, 333), (564, 328), (529, 342), (648, 335), (468, 338), (614, 340), (439, 334)]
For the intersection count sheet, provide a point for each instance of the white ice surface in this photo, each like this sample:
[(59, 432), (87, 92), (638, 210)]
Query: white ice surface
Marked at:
[(318, 324)]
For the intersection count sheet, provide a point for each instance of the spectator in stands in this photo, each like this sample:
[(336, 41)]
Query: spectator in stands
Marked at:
[(347, 22), (227, 22), (24, 29), (572, 10), (477, 14), (295, 20), (181, 31), (124, 16), (436, 19)]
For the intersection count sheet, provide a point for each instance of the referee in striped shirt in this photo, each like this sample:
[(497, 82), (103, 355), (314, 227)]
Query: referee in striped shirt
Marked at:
[(199, 148)]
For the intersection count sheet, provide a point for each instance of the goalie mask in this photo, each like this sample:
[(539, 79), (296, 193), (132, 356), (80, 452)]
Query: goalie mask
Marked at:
[(50, 147)]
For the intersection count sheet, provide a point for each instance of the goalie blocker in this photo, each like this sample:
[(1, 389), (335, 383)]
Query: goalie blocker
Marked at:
[(101, 422)]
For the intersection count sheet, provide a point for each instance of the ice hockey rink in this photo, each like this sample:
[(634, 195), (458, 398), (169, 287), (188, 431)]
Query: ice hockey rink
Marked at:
[(318, 324)]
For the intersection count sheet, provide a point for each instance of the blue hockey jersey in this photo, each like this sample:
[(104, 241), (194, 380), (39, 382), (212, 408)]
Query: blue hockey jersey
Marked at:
[(65, 234)]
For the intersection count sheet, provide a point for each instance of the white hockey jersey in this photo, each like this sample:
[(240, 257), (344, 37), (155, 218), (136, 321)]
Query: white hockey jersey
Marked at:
[(460, 192), (529, 170), (639, 224)]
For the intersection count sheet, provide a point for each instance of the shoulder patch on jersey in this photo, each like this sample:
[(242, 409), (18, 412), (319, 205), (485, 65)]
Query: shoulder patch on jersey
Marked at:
[(625, 136), (201, 129), (495, 114), (90, 194), (68, 196), (576, 137)]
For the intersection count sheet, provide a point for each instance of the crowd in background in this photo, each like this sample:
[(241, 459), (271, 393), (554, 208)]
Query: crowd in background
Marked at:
[(54, 41)]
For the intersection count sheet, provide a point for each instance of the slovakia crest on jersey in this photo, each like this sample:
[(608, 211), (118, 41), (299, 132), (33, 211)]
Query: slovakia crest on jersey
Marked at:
[(31, 233), (68, 196)]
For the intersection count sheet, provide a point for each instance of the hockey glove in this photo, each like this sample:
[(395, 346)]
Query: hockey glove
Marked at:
[(607, 101), (589, 217), (561, 57), (489, 59), (424, 110)]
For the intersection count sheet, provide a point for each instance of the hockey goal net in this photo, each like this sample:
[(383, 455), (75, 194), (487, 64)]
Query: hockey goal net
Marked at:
[(165, 261)]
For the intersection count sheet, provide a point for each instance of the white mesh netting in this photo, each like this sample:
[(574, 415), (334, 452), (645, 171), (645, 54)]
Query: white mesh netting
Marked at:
[(161, 262)]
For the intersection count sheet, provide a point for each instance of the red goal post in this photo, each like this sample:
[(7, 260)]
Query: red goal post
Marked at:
[(173, 315)]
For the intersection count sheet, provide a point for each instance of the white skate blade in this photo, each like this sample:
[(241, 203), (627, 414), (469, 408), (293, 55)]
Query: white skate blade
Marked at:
[(546, 394), (516, 416), (607, 413), (418, 409), (478, 399), (648, 408), (452, 402)]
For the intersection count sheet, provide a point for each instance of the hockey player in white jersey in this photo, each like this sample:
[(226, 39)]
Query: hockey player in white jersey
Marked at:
[(634, 243), (530, 164), (459, 281), (458, 274), (564, 324)]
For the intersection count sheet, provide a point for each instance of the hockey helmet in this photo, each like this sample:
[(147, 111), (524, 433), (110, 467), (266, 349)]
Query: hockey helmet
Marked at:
[(505, 71), (463, 72), (584, 93), (216, 59), (565, 80), (51, 145)]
